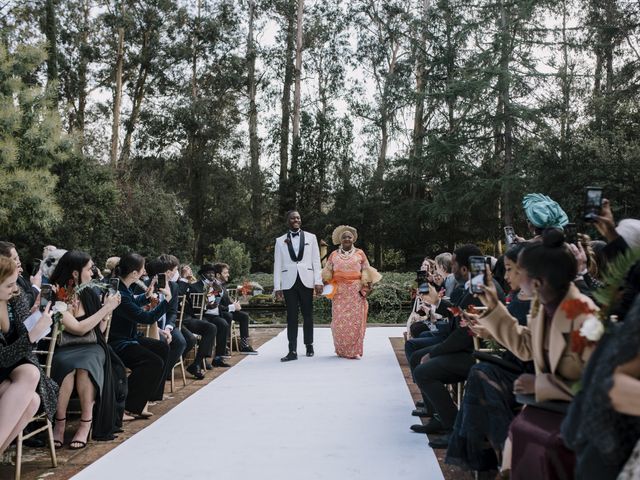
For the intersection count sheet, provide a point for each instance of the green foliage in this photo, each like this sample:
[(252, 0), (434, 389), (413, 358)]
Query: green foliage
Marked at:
[(234, 254), (614, 280)]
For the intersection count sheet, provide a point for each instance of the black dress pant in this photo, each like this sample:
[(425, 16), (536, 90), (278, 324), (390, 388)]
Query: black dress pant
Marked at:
[(432, 378), (299, 297), (189, 339), (221, 334), (242, 318), (207, 332), (146, 360)]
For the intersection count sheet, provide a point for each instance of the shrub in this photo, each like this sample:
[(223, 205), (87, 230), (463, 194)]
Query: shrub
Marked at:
[(234, 254)]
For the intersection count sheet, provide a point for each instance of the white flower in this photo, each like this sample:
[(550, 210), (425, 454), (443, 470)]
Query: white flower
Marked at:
[(60, 307), (592, 329)]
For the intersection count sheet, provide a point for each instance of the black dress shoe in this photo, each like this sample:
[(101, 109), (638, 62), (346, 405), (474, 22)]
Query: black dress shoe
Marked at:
[(310, 351), (434, 426), (421, 412), (440, 442), (290, 356), (195, 370), (419, 404), (208, 366), (219, 362)]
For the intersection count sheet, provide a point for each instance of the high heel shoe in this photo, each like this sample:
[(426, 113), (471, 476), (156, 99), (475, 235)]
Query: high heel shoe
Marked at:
[(80, 443), (58, 443)]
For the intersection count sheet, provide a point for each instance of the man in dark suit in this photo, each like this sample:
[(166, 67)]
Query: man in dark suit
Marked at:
[(212, 292), (232, 311)]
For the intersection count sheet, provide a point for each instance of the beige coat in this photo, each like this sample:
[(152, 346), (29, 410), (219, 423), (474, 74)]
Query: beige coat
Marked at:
[(553, 382)]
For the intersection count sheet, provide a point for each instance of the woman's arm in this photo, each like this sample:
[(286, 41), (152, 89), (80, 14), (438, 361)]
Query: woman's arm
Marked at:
[(625, 394), (84, 326)]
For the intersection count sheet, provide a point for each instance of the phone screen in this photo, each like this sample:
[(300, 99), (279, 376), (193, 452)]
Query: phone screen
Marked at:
[(476, 273), (45, 296), (571, 232), (114, 285), (593, 203), (509, 236)]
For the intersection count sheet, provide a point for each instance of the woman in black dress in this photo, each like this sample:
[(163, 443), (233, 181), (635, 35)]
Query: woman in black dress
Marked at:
[(23, 385), (80, 366)]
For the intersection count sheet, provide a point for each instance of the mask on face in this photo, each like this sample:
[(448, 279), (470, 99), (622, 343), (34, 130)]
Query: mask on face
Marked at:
[(174, 277)]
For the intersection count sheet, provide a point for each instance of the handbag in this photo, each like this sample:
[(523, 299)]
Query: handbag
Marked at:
[(66, 339)]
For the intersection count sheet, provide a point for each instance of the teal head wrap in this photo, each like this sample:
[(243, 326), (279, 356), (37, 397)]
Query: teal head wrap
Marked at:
[(543, 212)]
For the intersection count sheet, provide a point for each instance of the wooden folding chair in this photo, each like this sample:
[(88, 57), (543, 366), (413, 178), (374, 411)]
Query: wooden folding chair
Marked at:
[(42, 417), (182, 301)]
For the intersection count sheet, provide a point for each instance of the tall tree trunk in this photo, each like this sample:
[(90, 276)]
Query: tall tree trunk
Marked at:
[(254, 143), (82, 72), (52, 44), (138, 97), (197, 209), (297, 95), (505, 94), (117, 97), (418, 117), (286, 109)]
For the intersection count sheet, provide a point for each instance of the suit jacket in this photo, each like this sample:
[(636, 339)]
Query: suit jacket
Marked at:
[(555, 379), (286, 270), (30, 292)]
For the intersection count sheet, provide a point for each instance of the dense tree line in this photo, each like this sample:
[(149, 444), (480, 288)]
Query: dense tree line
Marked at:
[(168, 125)]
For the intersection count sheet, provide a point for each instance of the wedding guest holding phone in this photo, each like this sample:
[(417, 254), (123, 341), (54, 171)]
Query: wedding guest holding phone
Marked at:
[(29, 289), (145, 356), (23, 385), (81, 360), (352, 277)]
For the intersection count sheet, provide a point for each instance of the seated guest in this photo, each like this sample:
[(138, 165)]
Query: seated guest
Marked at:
[(168, 264), (192, 325), (23, 385), (542, 212), (212, 292), (603, 423), (558, 311), (109, 268), (30, 290), (80, 365), (443, 271), (232, 310), (489, 405), (449, 361), (145, 356)]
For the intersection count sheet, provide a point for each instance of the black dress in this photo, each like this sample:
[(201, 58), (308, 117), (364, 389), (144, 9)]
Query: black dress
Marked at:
[(16, 349), (488, 407)]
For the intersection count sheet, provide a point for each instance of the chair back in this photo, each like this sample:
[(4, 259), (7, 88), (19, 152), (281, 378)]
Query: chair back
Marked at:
[(182, 301), (198, 302), (47, 354)]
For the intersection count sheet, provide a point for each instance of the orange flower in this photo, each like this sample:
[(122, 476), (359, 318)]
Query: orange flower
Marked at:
[(61, 295), (578, 342), (455, 310), (574, 307), (472, 309)]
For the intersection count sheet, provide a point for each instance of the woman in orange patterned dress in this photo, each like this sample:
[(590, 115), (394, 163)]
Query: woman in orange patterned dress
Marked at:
[(352, 277)]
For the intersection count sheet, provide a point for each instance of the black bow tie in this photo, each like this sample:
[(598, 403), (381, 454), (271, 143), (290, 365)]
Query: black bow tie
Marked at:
[(295, 234)]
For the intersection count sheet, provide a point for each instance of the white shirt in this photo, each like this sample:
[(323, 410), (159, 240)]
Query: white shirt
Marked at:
[(295, 242)]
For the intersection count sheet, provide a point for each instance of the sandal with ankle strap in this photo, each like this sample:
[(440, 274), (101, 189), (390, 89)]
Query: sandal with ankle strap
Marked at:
[(58, 443), (80, 443)]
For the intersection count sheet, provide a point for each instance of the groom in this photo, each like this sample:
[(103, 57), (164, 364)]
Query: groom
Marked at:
[(296, 272)]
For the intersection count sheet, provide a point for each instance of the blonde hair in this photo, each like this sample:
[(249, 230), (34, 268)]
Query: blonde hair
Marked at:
[(7, 267)]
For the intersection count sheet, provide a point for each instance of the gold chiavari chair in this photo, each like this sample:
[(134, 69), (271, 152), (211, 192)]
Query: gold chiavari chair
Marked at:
[(198, 305), (42, 417), (182, 302)]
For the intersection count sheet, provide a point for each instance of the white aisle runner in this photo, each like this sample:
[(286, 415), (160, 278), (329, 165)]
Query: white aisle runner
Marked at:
[(320, 418)]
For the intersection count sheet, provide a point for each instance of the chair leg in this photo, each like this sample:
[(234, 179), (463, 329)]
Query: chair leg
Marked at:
[(52, 448), (184, 374), (173, 371), (18, 456)]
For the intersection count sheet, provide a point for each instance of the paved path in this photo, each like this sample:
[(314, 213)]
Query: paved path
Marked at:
[(320, 418)]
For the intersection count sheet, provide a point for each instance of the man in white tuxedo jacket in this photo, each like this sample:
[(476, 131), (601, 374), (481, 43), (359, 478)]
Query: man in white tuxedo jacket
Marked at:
[(296, 273)]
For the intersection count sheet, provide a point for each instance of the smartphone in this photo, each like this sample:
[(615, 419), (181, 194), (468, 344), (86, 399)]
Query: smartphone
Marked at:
[(571, 233), (114, 285), (46, 295), (593, 203), (35, 268), (476, 273), (509, 236), (162, 280)]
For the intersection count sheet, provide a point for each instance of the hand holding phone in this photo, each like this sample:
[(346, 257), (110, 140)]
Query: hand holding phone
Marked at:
[(510, 237), (114, 285), (162, 281), (46, 296), (476, 273)]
